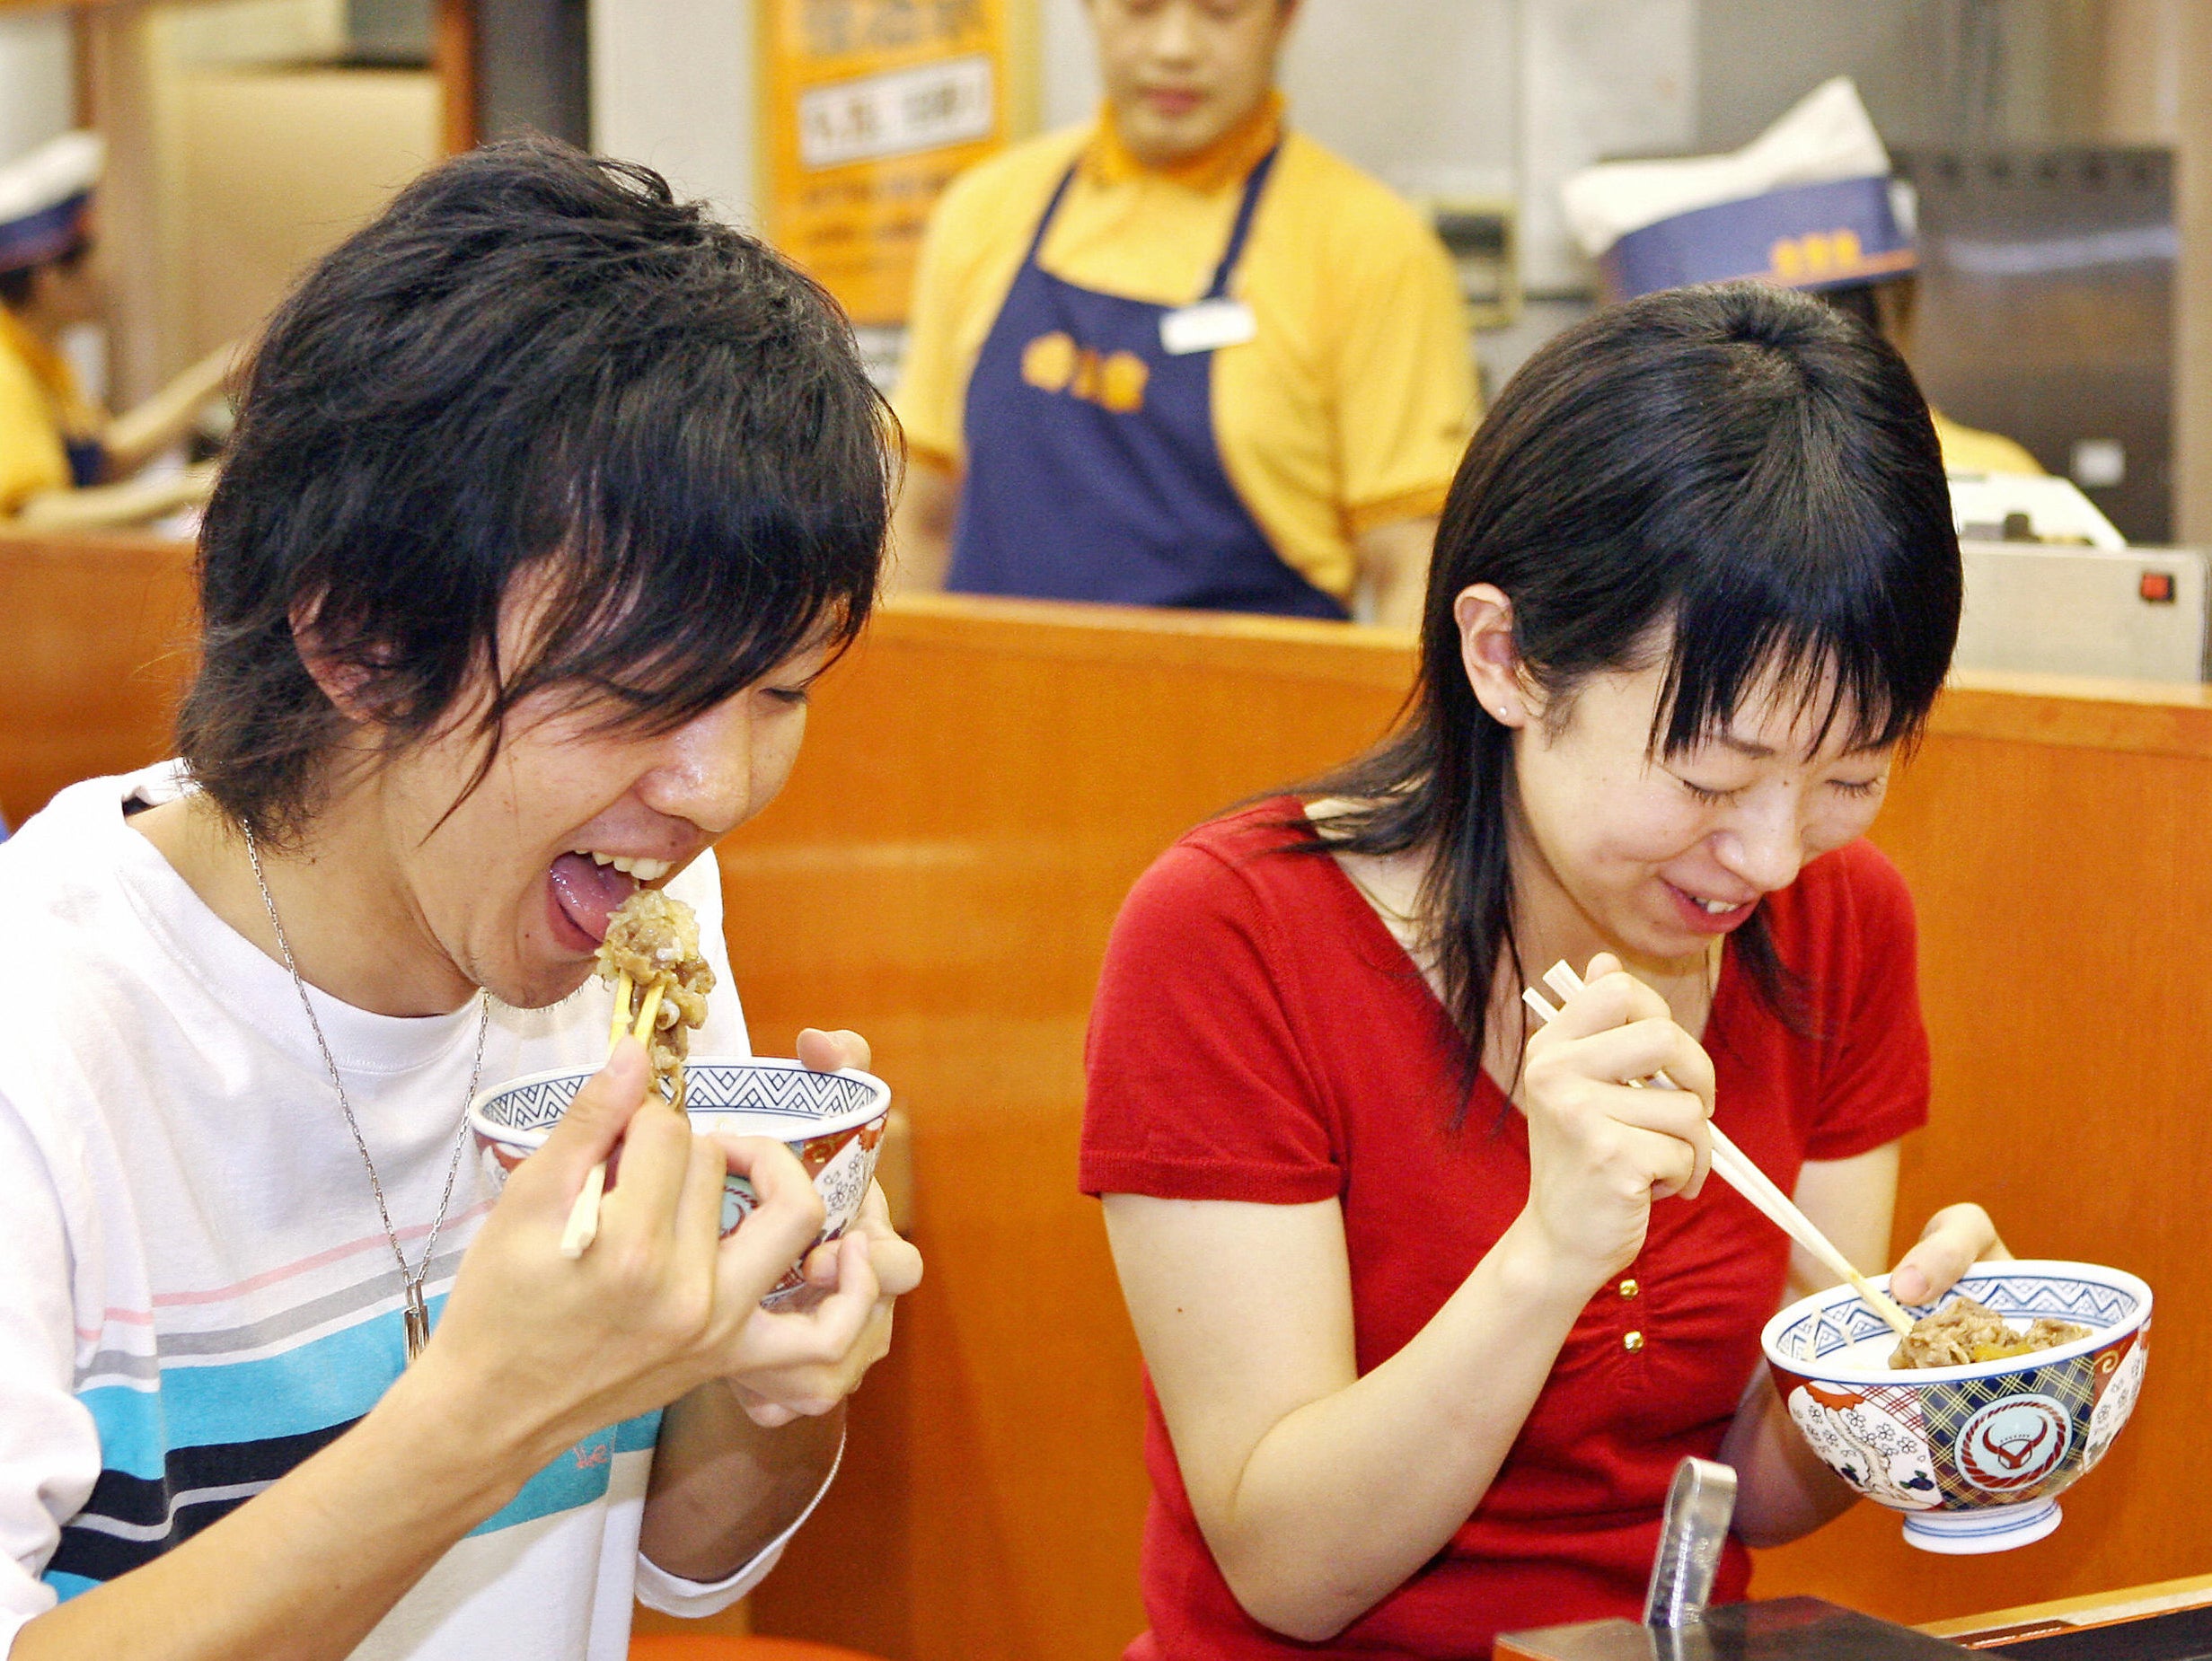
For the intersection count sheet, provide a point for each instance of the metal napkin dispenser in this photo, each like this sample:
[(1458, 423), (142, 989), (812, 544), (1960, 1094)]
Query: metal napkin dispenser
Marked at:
[(1678, 1626)]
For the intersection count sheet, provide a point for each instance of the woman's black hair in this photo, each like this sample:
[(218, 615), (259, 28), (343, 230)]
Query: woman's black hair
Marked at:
[(1734, 482), (533, 360)]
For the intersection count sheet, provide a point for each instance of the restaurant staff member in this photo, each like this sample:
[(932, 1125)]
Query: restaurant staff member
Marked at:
[(1808, 204), (1181, 357), (64, 464)]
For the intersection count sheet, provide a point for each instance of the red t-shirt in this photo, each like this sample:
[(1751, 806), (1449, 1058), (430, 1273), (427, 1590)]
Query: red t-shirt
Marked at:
[(1258, 1035)]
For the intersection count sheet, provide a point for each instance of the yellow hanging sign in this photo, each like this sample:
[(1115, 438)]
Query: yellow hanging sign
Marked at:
[(869, 110)]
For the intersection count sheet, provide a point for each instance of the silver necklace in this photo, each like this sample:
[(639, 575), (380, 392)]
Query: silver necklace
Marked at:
[(417, 1312)]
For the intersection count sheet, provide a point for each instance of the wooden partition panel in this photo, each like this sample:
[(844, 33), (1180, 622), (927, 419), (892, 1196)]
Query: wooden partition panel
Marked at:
[(982, 784), (2058, 851), (96, 640)]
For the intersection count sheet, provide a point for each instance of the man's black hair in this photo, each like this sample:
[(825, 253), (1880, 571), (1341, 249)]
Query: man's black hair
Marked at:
[(534, 360)]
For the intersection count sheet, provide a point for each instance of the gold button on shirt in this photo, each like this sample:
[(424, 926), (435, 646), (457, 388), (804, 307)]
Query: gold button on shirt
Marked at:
[(1351, 407)]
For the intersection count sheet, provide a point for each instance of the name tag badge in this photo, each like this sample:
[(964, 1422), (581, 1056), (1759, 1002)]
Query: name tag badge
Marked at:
[(1204, 327)]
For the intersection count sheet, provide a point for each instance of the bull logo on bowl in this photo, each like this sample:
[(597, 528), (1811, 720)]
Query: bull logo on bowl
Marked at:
[(2010, 1446)]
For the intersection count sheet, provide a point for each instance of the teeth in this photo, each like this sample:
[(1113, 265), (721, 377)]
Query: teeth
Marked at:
[(644, 869), (1715, 907)]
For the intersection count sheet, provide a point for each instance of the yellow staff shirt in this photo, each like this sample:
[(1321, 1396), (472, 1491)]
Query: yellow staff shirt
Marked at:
[(1351, 407), (41, 406), (1969, 450)]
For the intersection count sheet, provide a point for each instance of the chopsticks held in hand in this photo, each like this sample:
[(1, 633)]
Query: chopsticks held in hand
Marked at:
[(1730, 1163), (584, 1216)]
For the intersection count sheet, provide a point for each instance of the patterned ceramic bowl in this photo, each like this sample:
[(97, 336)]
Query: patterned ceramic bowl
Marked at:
[(1975, 1457), (833, 1122)]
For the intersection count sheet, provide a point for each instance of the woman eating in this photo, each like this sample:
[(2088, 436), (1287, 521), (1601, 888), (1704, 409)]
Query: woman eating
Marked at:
[(1431, 1304)]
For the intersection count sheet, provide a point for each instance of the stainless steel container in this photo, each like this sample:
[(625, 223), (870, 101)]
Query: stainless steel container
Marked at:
[(2134, 614)]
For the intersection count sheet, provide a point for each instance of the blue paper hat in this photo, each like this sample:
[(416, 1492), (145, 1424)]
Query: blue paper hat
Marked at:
[(1828, 235), (46, 200)]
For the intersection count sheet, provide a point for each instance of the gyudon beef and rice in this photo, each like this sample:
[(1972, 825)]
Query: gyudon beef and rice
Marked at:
[(1963, 1332), (652, 940)]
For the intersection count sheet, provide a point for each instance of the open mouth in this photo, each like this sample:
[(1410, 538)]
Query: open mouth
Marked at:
[(588, 885), (1708, 915)]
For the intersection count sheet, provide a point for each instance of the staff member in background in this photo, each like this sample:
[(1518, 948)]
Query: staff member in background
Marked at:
[(1808, 204), (1891, 310), (61, 456), (1181, 357)]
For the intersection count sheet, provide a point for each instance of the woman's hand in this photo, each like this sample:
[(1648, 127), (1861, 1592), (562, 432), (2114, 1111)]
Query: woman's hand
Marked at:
[(1600, 1150), (1956, 1238), (535, 1350)]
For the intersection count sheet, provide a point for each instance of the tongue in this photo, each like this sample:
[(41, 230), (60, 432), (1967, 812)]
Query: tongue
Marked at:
[(589, 891)]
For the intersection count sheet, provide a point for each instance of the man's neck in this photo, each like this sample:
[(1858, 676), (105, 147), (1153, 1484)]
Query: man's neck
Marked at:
[(1224, 162), (353, 929)]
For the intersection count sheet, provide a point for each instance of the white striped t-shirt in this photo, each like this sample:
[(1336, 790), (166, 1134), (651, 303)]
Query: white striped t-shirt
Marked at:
[(196, 1292)]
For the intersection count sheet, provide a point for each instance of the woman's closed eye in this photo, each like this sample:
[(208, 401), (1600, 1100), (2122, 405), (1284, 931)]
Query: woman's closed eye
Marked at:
[(1709, 795), (1716, 796)]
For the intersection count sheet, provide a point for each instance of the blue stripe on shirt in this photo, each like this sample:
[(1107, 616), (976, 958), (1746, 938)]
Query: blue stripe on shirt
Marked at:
[(326, 1382)]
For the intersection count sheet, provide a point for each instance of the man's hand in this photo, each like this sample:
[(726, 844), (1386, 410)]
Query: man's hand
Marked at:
[(862, 1274), (535, 1350), (921, 531)]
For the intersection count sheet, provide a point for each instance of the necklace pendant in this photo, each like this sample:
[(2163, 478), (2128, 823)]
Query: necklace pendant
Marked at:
[(417, 1316)]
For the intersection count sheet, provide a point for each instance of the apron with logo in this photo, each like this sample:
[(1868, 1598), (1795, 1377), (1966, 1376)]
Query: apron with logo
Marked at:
[(1092, 470)]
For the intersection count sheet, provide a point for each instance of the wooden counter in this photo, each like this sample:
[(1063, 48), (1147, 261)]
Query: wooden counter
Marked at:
[(982, 782), (2062, 1614)]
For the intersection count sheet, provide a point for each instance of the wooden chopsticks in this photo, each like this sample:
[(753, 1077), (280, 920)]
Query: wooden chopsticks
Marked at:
[(584, 1216), (1730, 1163)]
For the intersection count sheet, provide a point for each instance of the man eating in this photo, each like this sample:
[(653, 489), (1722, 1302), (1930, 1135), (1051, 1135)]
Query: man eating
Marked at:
[(549, 499)]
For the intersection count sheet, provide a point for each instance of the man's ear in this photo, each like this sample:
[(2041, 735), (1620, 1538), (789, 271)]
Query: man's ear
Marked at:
[(1491, 656), (343, 683)]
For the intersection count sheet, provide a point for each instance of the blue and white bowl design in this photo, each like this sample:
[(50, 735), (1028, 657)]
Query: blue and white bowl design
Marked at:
[(1975, 1455), (833, 1123), (813, 1103)]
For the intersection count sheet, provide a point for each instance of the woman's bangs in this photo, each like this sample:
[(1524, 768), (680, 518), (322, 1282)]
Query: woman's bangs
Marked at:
[(1828, 643)]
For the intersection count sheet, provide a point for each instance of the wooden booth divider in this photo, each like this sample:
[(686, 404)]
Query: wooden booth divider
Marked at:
[(980, 784), (98, 635)]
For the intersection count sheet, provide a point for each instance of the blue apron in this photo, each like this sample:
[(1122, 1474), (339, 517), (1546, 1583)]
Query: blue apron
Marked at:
[(88, 460), (1092, 471)]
